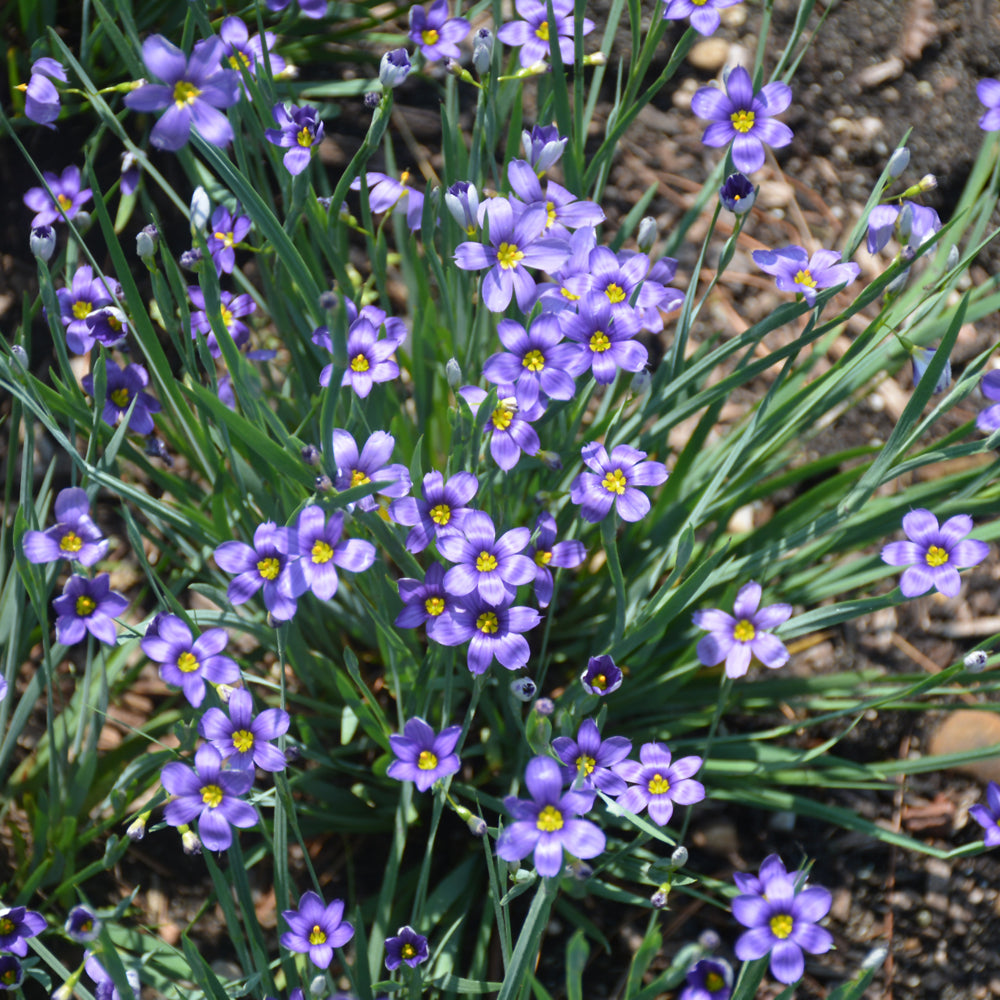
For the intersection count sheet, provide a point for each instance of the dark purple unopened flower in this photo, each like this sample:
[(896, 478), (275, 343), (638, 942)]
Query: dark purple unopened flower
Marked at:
[(601, 338), (436, 33), (224, 232), (315, 929), (744, 118), (321, 550), (11, 973), (738, 637), (407, 946), (193, 91), (533, 33), (243, 738), (370, 466), (42, 242), (186, 662), (535, 361), (425, 603), (385, 192), (210, 795), (17, 924), (66, 200), (423, 756), (988, 815), (82, 924), (87, 606), (268, 564), (41, 97), (122, 386), (936, 553), (543, 146), (708, 979), (547, 552), (74, 536), (493, 567), (782, 914), (703, 14), (614, 480), (590, 758), (232, 307), (244, 51), (547, 824), (602, 676), (299, 131), (988, 92), (493, 631), (658, 782), (369, 359), (796, 271), (85, 295), (738, 194), (989, 419), (441, 511)]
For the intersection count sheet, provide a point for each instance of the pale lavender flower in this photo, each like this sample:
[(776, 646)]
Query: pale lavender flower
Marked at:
[(407, 946), (186, 662), (533, 33), (17, 924), (988, 92), (243, 738), (299, 130), (225, 231), (232, 307), (441, 511), (602, 676), (535, 361), (385, 192), (657, 782), (122, 386), (915, 223), (246, 51), (371, 465), (74, 536), (321, 550), (65, 201), (423, 756), (547, 552), (87, 606), (562, 208), (82, 924), (314, 9), (509, 425), (426, 603), (796, 271), (369, 359), (708, 979), (85, 295), (989, 419), (315, 929), (11, 973), (988, 815), (614, 480), (436, 33), (591, 759), (602, 338), (703, 14), (493, 631), (41, 96)]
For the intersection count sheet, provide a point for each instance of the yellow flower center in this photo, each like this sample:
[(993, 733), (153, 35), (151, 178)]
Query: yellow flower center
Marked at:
[(744, 631), (429, 35), (408, 951), (599, 342), (585, 764), (185, 92), (81, 309), (486, 562), (6, 926), (936, 556), (550, 211), (440, 513), (120, 398), (113, 321), (804, 277), (211, 795), (658, 785), (427, 760), (487, 623), (358, 478), (543, 558), (71, 542), (359, 363), (713, 981), (317, 935), (549, 820), (304, 137), (187, 663), (542, 31), (64, 203), (534, 361), (238, 59), (508, 255), (9, 976), (615, 293), (227, 317), (502, 417), (567, 294), (781, 925), (228, 239), (243, 740), (600, 682), (742, 120), (269, 568), (434, 606), (615, 482), (85, 605), (322, 552)]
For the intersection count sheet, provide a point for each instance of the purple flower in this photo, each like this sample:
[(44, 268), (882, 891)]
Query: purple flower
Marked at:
[(268, 564), (548, 552), (563, 211), (916, 224), (658, 784), (921, 358), (299, 131), (107, 326), (369, 360), (738, 637), (423, 756), (989, 419), (535, 361), (370, 466), (315, 929), (988, 92), (11, 972), (618, 276), (74, 536), (122, 386), (438, 36), (425, 603), (601, 676), (82, 924), (407, 946), (745, 118), (186, 662), (321, 551), (782, 915), (590, 758), (441, 511), (231, 308), (532, 33), (104, 985), (241, 738), (385, 192), (543, 146), (66, 199), (492, 631), (547, 824), (937, 554), (516, 245), (704, 14), (87, 606), (246, 52), (708, 979), (988, 816), (210, 795), (492, 567), (509, 424), (193, 91), (16, 925), (310, 8), (462, 201), (738, 194), (602, 339), (41, 97), (225, 231), (76, 303), (130, 173), (394, 68), (796, 271), (614, 480)]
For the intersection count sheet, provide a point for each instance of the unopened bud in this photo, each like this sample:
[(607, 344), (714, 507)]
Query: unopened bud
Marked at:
[(659, 898), (928, 182), (953, 256), (42, 242), (372, 99), (709, 940), (550, 459), (190, 260), (641, 381), (145, 243), (482, 51), (523, 688), (453, 373), (394, 68), (324, 483), (190, 842), (137, 828), (545, 706), (201, 209), (679, 858), (898, 162), (310, 454), (737, 194), (647, 234), (975, 661), (20, 355)]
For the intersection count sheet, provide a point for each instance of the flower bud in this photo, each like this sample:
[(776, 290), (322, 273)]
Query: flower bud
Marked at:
[(545, 706), (310, 454), (641, 381), (190, 842), (523, 688), (680, 857), (898, 162), (647, 234), (953, 256), (43, 242), (659, 898), (82, 924), (476, 825), (156, 448), (20, 355), (482, 51), (462, 201), (145, 243), (190, 260), (737, 194), (921, 358), (542, 147), (928, 182), (324, 483), (453, 373), (201, 209), (550, 459), (709, 940), (372, 99), (137, 828), (394, 68), (975, 661)]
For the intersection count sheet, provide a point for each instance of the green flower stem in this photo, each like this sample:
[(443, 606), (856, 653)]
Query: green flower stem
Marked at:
[(608, 540)]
